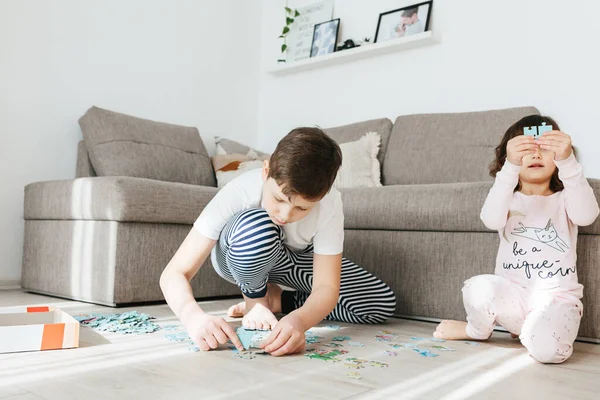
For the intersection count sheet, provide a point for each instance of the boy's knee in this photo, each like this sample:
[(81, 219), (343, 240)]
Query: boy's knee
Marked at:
[(385, 310), (252, 222)]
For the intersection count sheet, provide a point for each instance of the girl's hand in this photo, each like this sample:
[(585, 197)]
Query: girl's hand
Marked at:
[(518, 147), (286, 338), (557, 142)]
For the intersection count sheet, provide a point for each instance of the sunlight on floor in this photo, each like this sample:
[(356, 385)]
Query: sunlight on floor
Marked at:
[(92, 363), (489, 378), (415, 387)]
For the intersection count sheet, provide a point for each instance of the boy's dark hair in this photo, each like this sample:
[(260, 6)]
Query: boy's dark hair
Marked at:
[(515, 130), (305, 162), (410, 12)]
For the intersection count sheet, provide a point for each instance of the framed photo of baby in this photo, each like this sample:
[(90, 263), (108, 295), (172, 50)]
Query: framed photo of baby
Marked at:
[(404, 21), (325, 38)]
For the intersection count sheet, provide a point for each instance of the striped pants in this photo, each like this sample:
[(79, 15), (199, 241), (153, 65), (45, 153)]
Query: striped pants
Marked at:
[(251, 252)]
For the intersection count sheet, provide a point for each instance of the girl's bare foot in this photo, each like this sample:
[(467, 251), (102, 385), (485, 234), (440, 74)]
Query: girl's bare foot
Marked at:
[(273, 300), (452, 330)]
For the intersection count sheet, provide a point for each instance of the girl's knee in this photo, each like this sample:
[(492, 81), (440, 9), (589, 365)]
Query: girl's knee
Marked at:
[(546, 353), (479, 289)]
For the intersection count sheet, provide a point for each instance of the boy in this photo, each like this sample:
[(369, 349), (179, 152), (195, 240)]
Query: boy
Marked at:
[(411, 24), (282, 224)]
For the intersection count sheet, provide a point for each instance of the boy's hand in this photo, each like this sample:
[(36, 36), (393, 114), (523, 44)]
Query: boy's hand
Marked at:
[(518, 147), (286, 338), (208, 331), (557, 142)]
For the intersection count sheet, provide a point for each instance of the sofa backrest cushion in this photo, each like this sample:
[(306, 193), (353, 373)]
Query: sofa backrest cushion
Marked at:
[(122, 145), (446, 148)]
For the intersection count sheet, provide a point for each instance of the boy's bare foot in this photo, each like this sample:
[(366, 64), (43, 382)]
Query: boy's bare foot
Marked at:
[(259, 317), (452, 330), (273, 300)]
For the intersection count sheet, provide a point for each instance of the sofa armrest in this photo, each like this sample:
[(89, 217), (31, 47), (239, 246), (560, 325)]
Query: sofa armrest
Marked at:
[(116, 198)]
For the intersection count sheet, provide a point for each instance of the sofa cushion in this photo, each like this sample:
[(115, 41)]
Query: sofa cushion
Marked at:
[(122, 145), (234, 147), (116, 198), (353, 132), (435, 207), (446, 148)]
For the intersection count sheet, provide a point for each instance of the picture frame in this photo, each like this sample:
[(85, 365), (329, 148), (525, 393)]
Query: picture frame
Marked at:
[(403, 21), (325, 36)]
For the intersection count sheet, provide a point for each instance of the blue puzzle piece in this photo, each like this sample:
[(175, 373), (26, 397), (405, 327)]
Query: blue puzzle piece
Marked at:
[(252, 337), (543, 129), (537, 131), (425, 353), (530, 131), (340, 338)]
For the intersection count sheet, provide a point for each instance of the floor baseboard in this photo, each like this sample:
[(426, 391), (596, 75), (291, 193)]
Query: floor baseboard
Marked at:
[(10, 284)]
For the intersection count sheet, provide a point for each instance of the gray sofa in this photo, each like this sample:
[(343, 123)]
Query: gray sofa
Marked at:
[(105, 239)]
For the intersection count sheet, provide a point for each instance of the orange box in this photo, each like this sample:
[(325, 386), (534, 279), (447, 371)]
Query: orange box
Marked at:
[(37, 328)]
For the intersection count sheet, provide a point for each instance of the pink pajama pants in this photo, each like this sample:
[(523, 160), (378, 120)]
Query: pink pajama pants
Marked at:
[(547, 323)]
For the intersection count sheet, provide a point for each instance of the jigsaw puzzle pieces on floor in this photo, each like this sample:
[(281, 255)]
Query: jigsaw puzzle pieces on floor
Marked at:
[(130, 322), (252, 337)]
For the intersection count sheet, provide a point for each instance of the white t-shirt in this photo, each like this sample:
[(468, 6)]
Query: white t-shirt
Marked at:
[(323, 226)]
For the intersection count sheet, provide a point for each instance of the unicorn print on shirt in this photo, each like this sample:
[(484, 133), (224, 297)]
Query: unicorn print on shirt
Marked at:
[(547, 235)]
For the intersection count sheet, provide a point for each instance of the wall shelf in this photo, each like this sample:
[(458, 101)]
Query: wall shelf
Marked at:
[(370, 50)]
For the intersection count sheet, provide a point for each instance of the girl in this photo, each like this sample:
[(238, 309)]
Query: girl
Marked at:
[(538, 200)]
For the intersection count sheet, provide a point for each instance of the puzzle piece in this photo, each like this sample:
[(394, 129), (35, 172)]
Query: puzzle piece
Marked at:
[(252, 337), (530, 131), (402, 345), (326, 355), (177, 337), (537, 131), (386, 337), (356, 344), (313, 339), (390, 353), (543, 128), (340, 338), (443, 348), (425, 353)]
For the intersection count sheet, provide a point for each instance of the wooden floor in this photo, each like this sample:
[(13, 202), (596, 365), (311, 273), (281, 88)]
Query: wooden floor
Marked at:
[(113, 366)]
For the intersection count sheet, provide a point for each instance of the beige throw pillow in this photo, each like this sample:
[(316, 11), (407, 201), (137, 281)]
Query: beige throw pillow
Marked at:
[(360, 166)]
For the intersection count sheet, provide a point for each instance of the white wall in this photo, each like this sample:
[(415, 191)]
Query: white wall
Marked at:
[(491, 55), (189, 62)]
